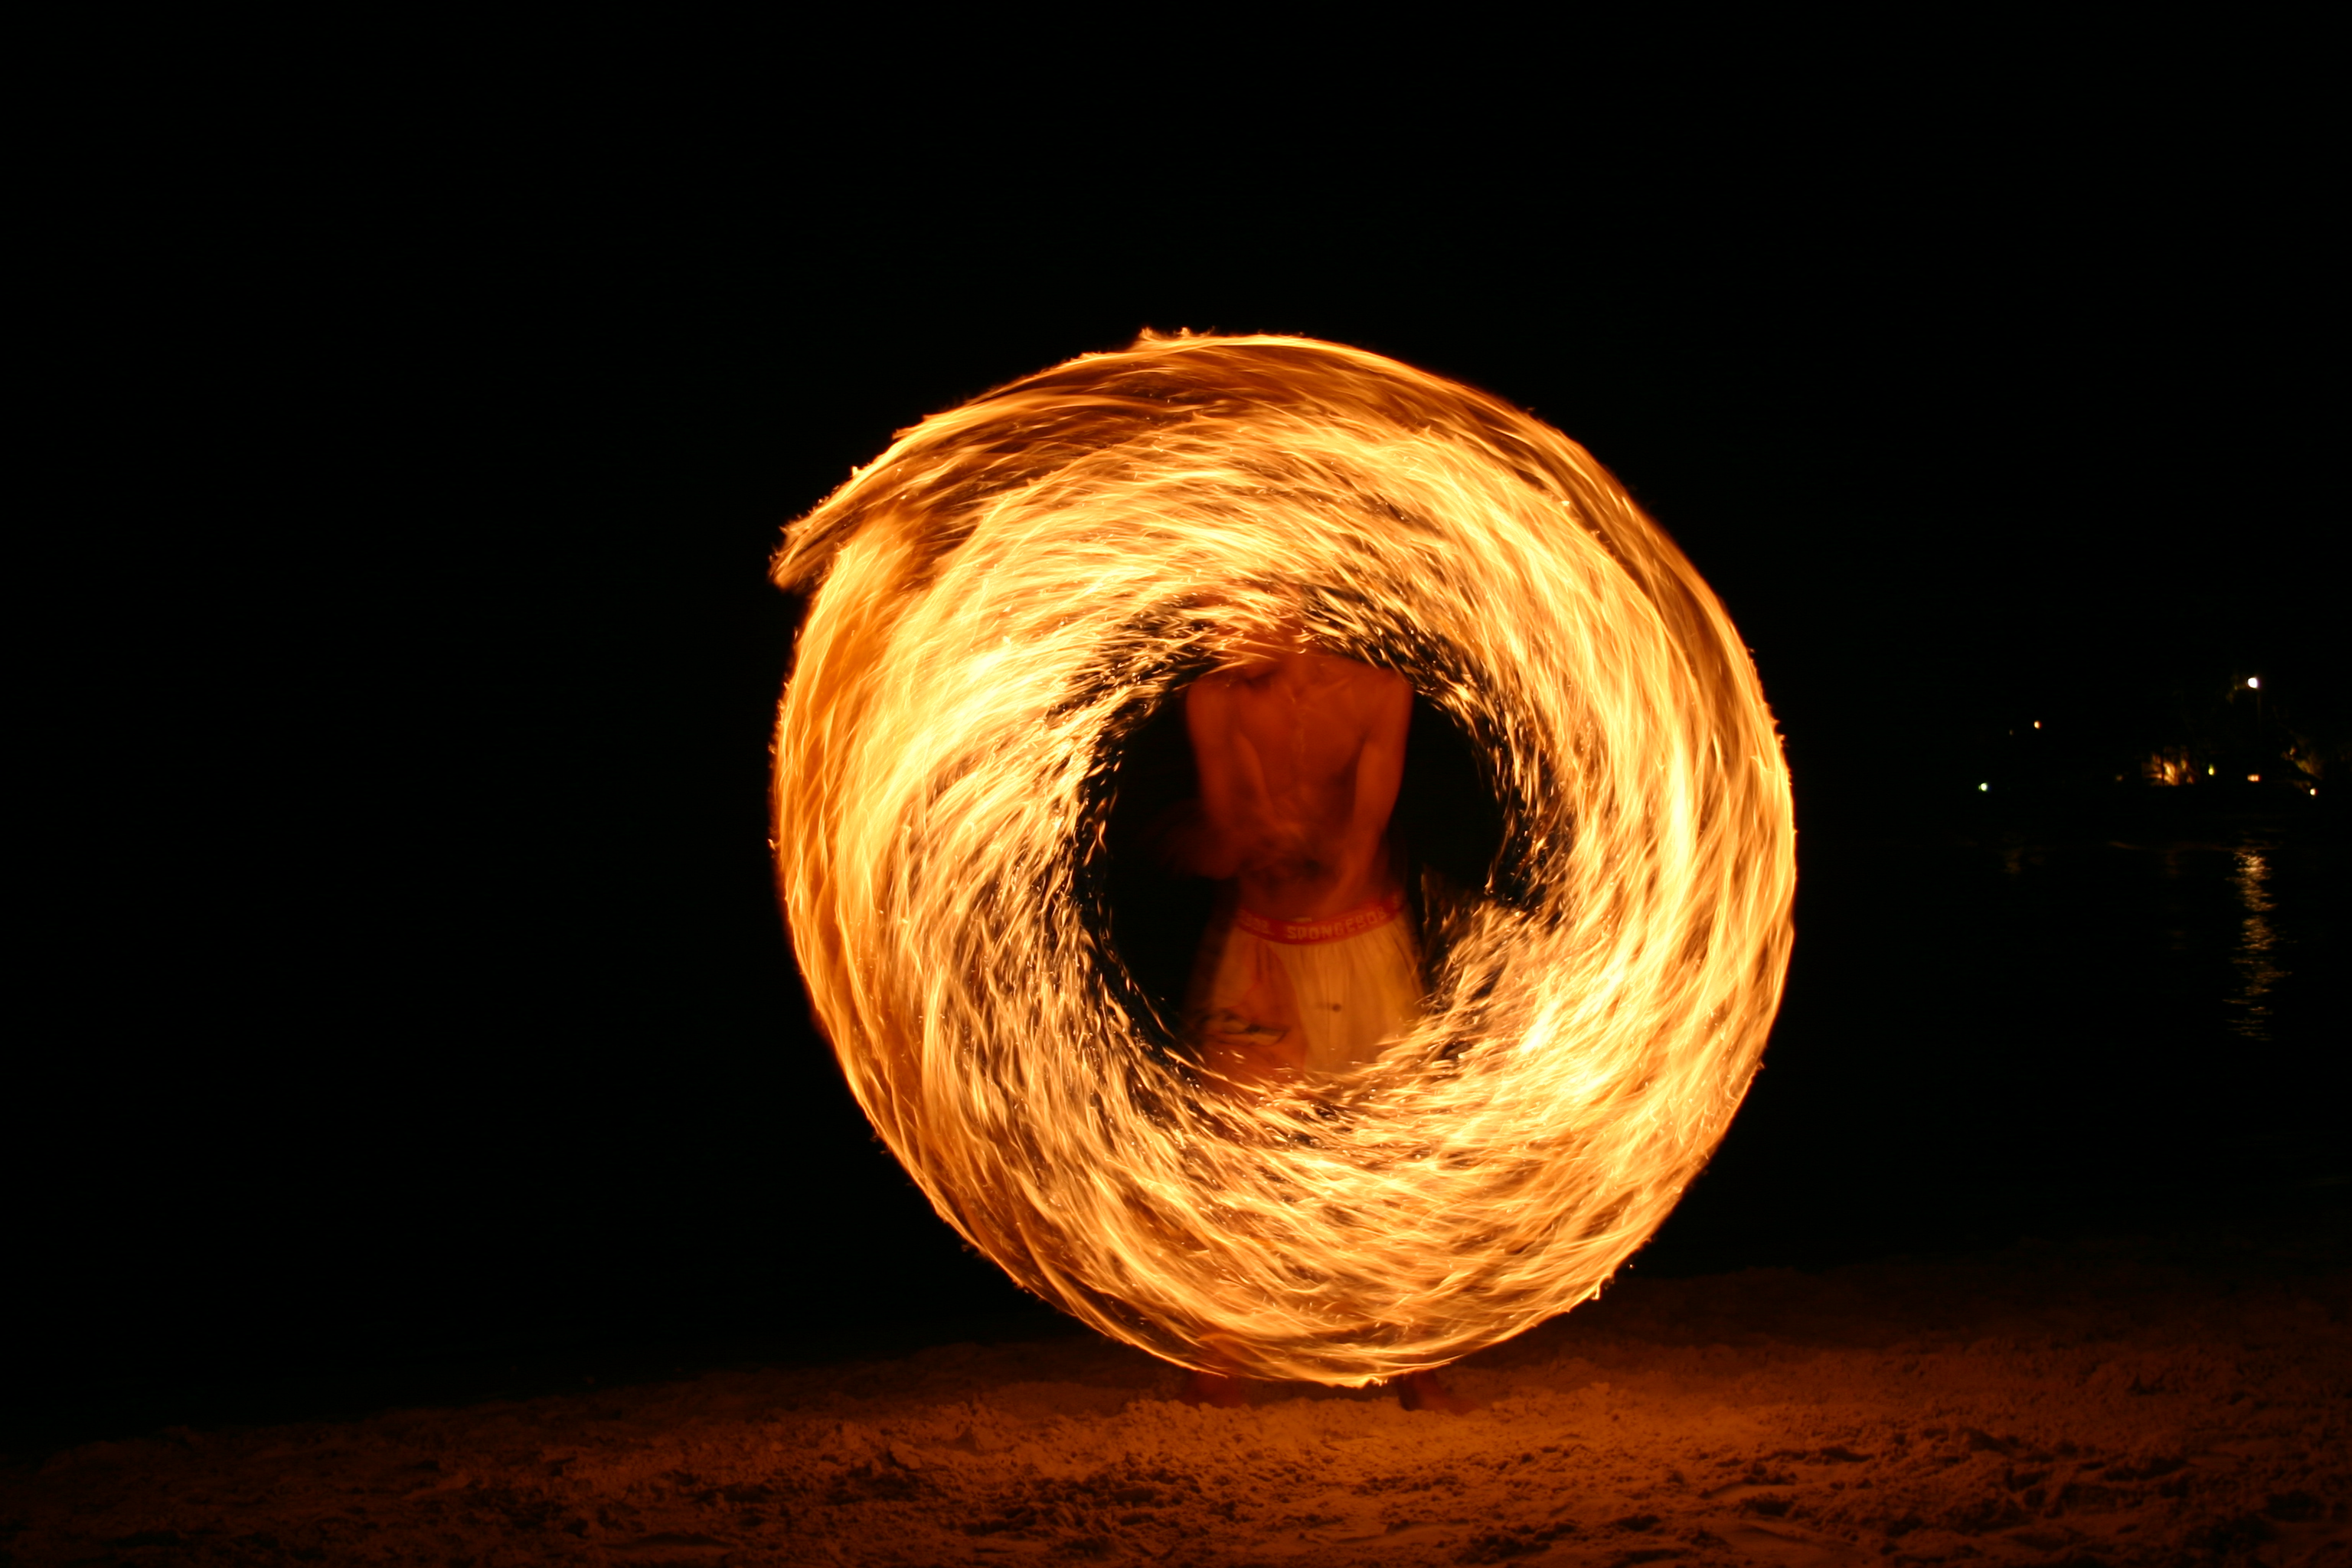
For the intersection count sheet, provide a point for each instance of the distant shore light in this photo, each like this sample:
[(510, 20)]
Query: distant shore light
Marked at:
[(1982, 787), (2253, 683)]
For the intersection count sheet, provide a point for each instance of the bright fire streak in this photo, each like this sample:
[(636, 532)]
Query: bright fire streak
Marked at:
[(1015, 586)]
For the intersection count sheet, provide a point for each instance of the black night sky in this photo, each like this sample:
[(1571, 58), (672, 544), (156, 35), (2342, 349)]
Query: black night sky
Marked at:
[(416, 1007)]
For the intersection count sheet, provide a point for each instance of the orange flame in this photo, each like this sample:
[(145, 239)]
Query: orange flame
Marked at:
[(1004, 590)]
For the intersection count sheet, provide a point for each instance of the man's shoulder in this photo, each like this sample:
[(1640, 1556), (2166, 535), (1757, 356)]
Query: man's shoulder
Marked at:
[(1209, 688), (1211, 703), (1364, 684)]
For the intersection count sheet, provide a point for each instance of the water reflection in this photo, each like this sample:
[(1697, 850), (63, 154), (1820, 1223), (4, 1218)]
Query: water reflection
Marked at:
[(2175, 936), (2257, 944)]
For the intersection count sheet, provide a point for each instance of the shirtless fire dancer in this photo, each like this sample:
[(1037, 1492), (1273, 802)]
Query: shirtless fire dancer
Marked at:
[(1315, 967), (1299, 756)]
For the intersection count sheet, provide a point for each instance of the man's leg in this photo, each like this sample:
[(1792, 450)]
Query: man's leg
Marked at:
[(1216, 1389), (1426, 1391)]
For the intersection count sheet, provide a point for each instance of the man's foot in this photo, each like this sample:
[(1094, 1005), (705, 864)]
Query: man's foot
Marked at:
[(1214, 1389), (1423, 1391)]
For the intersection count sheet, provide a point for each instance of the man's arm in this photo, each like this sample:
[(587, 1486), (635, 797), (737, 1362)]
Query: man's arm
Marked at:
[(1380, 768), (1209, 716)]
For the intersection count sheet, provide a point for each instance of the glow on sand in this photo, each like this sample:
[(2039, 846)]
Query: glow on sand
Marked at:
[(1008, 590)]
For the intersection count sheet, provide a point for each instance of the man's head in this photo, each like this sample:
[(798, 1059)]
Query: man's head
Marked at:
[(1256, 627)]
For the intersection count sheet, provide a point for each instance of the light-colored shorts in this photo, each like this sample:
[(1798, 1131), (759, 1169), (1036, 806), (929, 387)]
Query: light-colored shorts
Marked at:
[(1344, 985)]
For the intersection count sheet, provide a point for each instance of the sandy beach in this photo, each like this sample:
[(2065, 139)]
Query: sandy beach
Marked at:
[(2122, 1403)]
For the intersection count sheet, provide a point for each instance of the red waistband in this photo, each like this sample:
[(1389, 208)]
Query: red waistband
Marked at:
[(1326, 928)]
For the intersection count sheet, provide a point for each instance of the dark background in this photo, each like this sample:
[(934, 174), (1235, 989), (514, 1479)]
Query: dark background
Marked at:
[(414, 1014)]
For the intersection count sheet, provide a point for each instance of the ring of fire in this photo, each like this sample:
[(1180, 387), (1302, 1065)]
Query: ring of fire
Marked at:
[(1015, 586)]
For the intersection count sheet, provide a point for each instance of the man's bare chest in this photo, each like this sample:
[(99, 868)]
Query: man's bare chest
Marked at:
[(1300, 743)]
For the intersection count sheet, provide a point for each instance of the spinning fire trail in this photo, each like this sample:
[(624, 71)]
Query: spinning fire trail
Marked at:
[(1015, 587)]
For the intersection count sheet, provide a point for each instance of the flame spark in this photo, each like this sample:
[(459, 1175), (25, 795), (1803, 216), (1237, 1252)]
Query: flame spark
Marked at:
[(1011, 589)]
